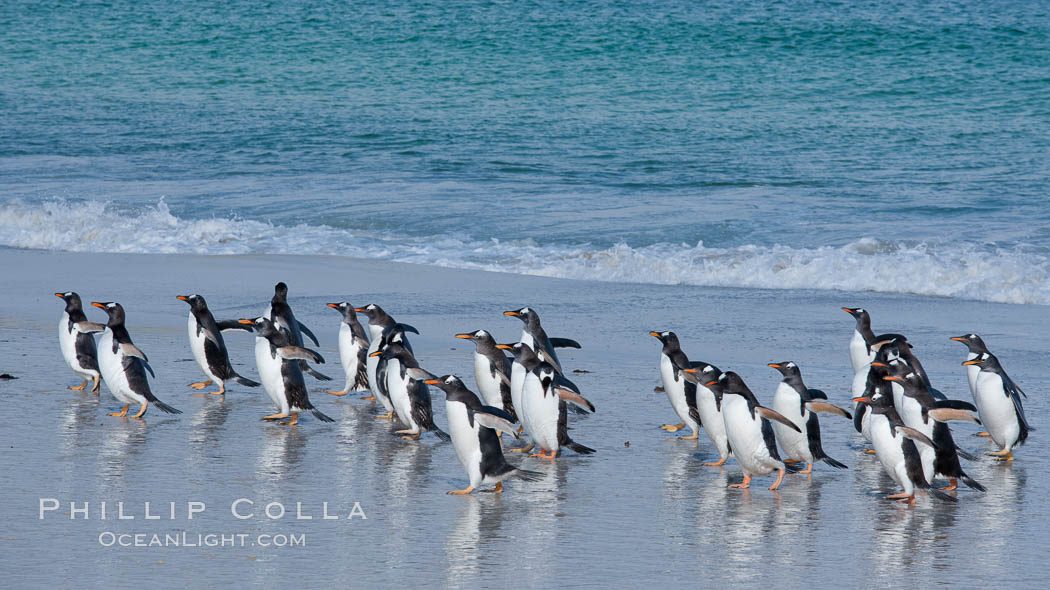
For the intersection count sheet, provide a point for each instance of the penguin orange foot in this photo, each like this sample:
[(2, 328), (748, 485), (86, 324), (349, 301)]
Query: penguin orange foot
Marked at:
[(200, 384), (121, 413)]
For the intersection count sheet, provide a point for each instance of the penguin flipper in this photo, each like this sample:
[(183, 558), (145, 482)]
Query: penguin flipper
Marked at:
[(130, 349), (361, 378), (87, 327), (305, 330), (571, 396), (816, 394), (955, 404), (495, 422), (564, 343), (299, 353), (815, 447), (915, 435), (690, 400), (828, 409), (225, 325), (937, 395), (858, 416), (769, 414), (946, 414), (313, 372)]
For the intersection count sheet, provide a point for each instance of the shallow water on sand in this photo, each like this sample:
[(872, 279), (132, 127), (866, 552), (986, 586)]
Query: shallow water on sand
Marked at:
[(626, 516)]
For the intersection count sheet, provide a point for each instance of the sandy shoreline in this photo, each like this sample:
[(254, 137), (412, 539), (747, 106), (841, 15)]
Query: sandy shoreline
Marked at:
[(680, 516)]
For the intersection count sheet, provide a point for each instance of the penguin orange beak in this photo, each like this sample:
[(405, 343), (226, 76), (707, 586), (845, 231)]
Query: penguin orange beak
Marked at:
[(774, 365), (878, 364), (654, 334), (60, 295), (710, 383), (432, 382), (360, 309), (958, 338), (690, 371), (466, 336), (892, 378), (973, 362), (862, 400), (504, 347), (99, 305), (182, 298), (513, 313), (376, 353), (245, 322), (847, 310), (335, 306)]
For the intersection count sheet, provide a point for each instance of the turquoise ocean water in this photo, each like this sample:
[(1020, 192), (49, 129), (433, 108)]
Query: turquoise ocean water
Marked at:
[(896, 147)]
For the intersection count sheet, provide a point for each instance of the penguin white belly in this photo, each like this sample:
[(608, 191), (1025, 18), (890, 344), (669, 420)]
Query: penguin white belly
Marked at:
[(347, 354), (528, 340), (675, 389), (996, 410), (745, 436), (67, 342), (888, 449), (488, 385), (545, 415), (972, 371), (911, 414), (860, 383), (464, 440), (517, 384), (398, 388), (112, 367), (270, 374), (711, 417), (795, 444), (858, 352), (197, 347)]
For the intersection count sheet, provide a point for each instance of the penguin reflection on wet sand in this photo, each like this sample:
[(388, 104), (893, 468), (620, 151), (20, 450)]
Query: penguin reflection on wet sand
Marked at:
[(999, 405), (123, 365), (77, 341), (208, 346), (680, 391), (353, 350), (278, 362), (749, 430), (800, 404), (473, 428)]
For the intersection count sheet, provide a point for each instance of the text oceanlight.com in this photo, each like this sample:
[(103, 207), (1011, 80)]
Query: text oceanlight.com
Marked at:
[(207, 540)]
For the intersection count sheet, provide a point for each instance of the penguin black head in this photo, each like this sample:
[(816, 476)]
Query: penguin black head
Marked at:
[(733, 383), (280, 292), (72, 300), (972, 342), (264, 327), (668, 339), (910, 381), (984, 360), (344, 308), (880, 404), (373, 312), (524, 314), (707, 375), (447, 383), (476, 335), (787, 368), (520, 350), (898, 342), (859, 313), (113, 310), (197, 303)]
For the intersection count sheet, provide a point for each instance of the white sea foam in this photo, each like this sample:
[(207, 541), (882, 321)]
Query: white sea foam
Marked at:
[(963, 271)]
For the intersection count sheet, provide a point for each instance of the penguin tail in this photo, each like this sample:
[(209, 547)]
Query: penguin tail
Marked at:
[(575, 446), (966, 455), (441, 434), (970, 482), (833, 462), (574, 409), (526, 475), (244, 381), (941, 495), (321, 415), (163, 407)]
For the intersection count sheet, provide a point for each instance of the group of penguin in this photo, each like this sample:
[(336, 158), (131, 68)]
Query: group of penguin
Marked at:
[(527, 388), (895, 408)]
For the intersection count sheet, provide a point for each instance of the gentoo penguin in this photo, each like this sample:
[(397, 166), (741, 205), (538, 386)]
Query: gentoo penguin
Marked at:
[(543, 410), (534, 335), (976, 347), (709, 407), (394, 334), (75, 338), (524, 360), (473, 429), (800, 405), (123, 365), (378, 322), (860, 353), (749, 431), (927, 415), (492, 371), (280, 313), (895, 446), (209, 349), (353, 350), (279, 371), (680, 391), (410, 397), (999, 405)]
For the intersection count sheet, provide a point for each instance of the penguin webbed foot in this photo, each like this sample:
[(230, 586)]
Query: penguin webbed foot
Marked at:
[(462, 492), (672, 427), (339, 393), (495, 490), (201, 384), (79, 387), (120, 414)]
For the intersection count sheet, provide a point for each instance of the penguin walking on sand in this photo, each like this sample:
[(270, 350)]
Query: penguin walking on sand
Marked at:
[(409, 396), (77, 341), (975, 347), (208, 346), (544, 413), (534, 335), (280, 313), (378, 322), (123, 366), (680, 391), (860, 352), (929, 416), (353, 350), (999, 405), (523, 361), (749, 431), (492, 371), (800, 405), (278, 362), (896, 447), (473, 428), (709, 408)]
